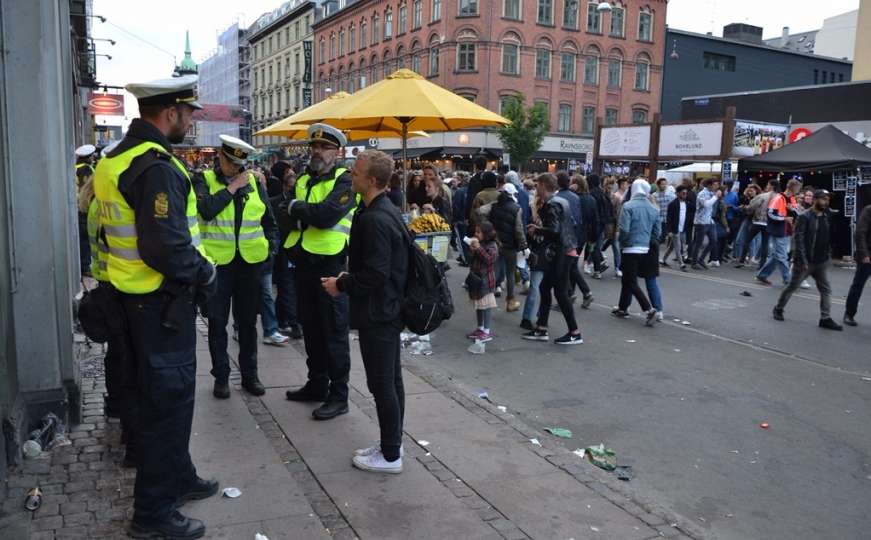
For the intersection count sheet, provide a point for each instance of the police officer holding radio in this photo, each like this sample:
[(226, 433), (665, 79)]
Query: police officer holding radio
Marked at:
[(321, 215), (240, 234), (148, 214)]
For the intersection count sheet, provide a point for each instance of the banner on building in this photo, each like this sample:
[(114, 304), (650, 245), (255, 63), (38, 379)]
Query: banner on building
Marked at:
[(625, 142), (213, 112), (108, 104), (691, 141), (306, 97), (307, 55), (753, 139)]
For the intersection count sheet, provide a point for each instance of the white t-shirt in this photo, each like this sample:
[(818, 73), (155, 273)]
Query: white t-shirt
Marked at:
[(683, 216)]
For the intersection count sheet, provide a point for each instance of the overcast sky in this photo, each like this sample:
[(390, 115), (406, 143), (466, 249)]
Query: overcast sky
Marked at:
[(163, 24)]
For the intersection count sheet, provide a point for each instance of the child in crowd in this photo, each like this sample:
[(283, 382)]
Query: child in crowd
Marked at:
[(481, 282)]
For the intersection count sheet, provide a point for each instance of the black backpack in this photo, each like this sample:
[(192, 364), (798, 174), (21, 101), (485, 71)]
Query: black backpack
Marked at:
[(427, 302)]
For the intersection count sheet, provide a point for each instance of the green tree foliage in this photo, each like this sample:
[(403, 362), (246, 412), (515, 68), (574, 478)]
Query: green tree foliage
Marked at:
[(523, 137)]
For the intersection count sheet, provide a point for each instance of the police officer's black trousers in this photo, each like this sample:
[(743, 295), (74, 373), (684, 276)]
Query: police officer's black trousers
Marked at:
[(379, 346), (113, 365), (285, 302), (238, 281), (165, 363), (325, 329)]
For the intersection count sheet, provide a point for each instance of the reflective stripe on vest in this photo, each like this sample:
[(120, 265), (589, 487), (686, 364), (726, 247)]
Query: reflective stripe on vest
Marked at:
[(322, 241), (219, 234), (99, 249), (125, 268)]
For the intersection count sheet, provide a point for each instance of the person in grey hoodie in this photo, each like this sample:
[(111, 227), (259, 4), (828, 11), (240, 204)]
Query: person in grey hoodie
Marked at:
[(639, 223)]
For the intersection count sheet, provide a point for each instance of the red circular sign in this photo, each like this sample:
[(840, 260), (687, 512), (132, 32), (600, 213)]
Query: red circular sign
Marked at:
[(799, 134)]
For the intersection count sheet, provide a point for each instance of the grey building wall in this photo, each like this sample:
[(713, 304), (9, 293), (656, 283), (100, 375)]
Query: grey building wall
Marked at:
[(219, 84), (757, 67)]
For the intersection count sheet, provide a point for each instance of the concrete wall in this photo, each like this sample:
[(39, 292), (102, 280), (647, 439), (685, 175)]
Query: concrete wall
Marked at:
[(862, 54), (837, 37)]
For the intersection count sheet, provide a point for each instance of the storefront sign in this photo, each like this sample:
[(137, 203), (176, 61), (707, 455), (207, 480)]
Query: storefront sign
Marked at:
[(213, 112), (691, 140), (799, 134), (307, 55), (306, 97), (753, 139), (567, 145), (108, 104), (630, 141)]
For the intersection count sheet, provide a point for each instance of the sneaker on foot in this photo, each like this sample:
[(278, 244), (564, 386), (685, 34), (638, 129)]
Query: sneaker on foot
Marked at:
[(777, 314), (474, 335), (375, 462), (664, 264), (830, 324), (276, 339), (484, 337), (570, 339), (618, 273), (376, 448), (588, 268), (651, 317), (526, 324), (588, 300), (850, 321), (536, 335), (597, 275), (619, 313), (659, 316), (715, 264), (763, 280), (805, 284), (498, 292)]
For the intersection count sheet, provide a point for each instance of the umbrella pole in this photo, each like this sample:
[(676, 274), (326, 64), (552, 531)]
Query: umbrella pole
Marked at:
[(405, 166)]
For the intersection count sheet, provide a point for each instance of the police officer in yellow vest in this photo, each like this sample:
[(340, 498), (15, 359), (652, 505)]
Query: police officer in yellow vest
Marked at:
[(240, 234), (148, 214), (322, 211)]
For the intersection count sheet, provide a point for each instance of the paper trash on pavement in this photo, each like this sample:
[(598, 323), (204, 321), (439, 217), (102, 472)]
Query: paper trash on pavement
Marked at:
[(580, 452), (258, 536), (534, 441), (423, 442), (559, 432), (231, 492)]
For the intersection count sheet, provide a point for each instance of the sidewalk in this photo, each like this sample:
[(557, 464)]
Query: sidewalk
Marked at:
[(479, 477)]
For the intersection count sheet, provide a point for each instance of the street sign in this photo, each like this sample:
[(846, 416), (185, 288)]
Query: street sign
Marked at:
[(850, 206)]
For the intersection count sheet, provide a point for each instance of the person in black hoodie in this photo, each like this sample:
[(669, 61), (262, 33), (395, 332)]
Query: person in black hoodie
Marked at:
[(375, 282), (506, 216), (605, 211)]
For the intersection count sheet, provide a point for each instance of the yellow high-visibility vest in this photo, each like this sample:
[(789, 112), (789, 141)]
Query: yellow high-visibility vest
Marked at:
[(321, 241), (99, 249), (219, 234), (126, 269)]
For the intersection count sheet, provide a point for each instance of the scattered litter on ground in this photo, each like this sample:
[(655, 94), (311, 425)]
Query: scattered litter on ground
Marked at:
[(580, 452), (848, 411), (676, 320), (594, 529), (258, 536), (428, 454), (50, 434), (702, 519), (423, 442), (746, 293), (734, 451), (536, 442), (630, 341), (477, 348), (624, 472), (866, 379), (559, 432), (764, 425), (232, 492), (730, 515), (482, 394), (502, 408), (33, 500), (686, 323), (677, 350), (602, 457)]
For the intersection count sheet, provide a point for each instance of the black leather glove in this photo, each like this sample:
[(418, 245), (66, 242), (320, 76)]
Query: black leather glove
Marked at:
[(205, 291)]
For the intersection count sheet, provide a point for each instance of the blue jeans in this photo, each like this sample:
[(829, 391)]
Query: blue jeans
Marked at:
[(267, 306), (615, 248), (738, 244), (778, 255), (530, 307), (654, 292)]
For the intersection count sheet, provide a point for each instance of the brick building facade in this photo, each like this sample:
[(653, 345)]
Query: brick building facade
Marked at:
[(582, 63)]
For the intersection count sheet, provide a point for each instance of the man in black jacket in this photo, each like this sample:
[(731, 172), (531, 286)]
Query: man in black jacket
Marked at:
[(863, 265), (575, 277), (678, 222), (605, 211), (375, 283), (811, 258)]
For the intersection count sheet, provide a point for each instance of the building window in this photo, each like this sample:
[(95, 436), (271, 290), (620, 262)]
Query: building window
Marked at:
[(470, 97), (618, 18), (341, 43), (468, 7), (567, 67), (840, 77), (270, 51), (296, 31), (591, 70), (642, 74), (363, 34), (400, 57), (611, 117), (386, 69), (588, 121), (388, 23), (278, 71), (504, 101), (352, 38), (510, 52), (564, 125), (287, 101), (542, 63), (322, 48), (351, 77), (376, 32), (402, 19), (434, 57), (545, 12), (466, 57), (270, 75), (645, 26), (415, 61), (308, 24), (615, 70), (511, 9), (719, 62), (594, 18), (417, 14), (333, 47), (296, 64), (436, 10), (639, 116), (816, 76), (570, 15)]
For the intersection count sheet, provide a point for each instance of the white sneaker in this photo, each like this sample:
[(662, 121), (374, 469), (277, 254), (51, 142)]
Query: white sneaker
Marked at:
[(715, 264), (619, 273), (376, 463), (376, 448), (805, 284), (588, 268), (276, 339), (659, 316)]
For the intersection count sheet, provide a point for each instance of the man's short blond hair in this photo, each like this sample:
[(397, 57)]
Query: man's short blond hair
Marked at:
[(378, 165)]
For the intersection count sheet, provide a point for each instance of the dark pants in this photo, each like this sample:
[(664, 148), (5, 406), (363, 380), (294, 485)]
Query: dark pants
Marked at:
[(631, 264), (594, 252), (506, 269), (285, 302), (820, 274), (238, 281), (700, 232), (84, 244), (751, 234), (556, 279), (576, 278), (379, 346), (164, 361), (863, 272), (325, 329), (462, 229)]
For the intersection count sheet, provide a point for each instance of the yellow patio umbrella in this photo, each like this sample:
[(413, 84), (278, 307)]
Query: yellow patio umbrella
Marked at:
[(300, 132)]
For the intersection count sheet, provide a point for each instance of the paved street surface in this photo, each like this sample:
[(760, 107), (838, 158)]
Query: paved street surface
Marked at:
[(683, 404)]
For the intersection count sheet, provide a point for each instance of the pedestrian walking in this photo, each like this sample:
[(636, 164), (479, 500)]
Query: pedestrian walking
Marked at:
[(780, 220), (536, 273), (863, 265), (554, 244), (663, 198), (481, 280), (605, 213), (575, 277), (639, 223), (240, 235), (506, 216), (758, 208), (375, 284), (156, 264), (811, 258), (679, 215), (703, 225), (321, 214)]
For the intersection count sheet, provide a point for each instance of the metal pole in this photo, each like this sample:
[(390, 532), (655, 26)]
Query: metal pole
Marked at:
[(404, 163)]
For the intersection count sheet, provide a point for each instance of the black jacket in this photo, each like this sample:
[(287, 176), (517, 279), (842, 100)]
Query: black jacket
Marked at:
[(556, 235), (590, 219), (377, 265), (604, 207), (812, 238), (164, 238), (863, 235), (672, 219), (505, 215)]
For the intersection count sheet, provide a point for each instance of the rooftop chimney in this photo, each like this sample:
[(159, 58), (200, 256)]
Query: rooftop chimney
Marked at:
[(784, 38), (743, 32)]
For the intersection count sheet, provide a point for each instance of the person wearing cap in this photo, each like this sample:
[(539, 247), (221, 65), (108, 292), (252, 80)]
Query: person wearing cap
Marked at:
[(506, 216), (811, 259), (148, 214), (240, 235), (321, 214), (85, 155)]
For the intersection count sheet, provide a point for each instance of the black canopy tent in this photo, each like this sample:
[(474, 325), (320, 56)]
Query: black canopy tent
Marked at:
[(817, 157)]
